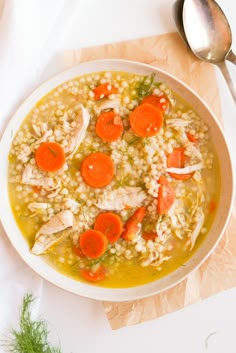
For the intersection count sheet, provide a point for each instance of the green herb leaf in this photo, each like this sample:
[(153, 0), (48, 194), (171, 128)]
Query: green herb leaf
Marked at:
[(145, 87), (32, 336)]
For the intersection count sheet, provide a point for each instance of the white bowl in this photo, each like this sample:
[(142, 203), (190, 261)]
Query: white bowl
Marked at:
[(221, 218)]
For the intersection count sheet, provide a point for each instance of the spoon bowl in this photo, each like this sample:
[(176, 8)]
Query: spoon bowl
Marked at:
[(212, 39), (208, 34), (178, 18)]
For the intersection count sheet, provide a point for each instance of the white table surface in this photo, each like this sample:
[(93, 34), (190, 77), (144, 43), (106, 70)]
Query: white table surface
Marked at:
[(80, 324)]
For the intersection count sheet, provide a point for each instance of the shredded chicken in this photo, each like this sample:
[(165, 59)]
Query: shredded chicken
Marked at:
[(73, 205), (159, 261), (54, 191), (44, 242), (51, 232), (176, 123), (196, 231), (154, 255), (186, 170), (29, 178), (24, 154), (162, 235), (76, 136), (123, 197), (109, 104), (38, 207), (43, 138)]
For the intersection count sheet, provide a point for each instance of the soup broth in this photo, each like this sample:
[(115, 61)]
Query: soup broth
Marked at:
[(113, 179)]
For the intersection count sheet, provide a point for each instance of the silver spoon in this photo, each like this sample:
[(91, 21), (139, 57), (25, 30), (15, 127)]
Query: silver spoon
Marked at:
[(208, 35), (178, 18)]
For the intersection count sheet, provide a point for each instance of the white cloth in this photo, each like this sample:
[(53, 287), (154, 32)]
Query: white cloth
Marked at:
[(26, 48)]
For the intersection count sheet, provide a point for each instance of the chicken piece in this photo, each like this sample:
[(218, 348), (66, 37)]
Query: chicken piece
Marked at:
[(73, 205), (42, 139), (153, 255), (121, 198), (108, 104), (51, 232), (24, 154), (186, 170), (44, 242), (177, 123), (196, 231), (29, 178), (77, 134), (59, 222), (38, 207)]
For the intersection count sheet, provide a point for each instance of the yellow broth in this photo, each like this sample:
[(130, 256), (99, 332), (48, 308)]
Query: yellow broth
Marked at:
[(139, 162)]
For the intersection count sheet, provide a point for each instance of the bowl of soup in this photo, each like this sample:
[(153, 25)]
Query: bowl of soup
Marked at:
[(116, 180)]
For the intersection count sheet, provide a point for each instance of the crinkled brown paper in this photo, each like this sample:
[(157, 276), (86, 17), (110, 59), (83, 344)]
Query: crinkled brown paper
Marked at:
[(218, 273)]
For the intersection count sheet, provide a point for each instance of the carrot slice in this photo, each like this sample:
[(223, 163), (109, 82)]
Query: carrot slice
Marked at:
[(191, 137), (146, 120), (96, 276), (109, 126), (104, 90), (132, 226), (166, 196), (93, 243), (110, 224), (97, 169), (77, 251), (177, 160), (50, 156), (149, 236), (36, 189), (161, 102)]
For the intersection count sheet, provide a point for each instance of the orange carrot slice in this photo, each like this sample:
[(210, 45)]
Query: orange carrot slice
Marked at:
[(132, 226), (109, 126), (77, 251), (93, 243), (191, 137), (161, 102), (146, 120), (96, 276), (166, 196), (104, 90), (36, 189), (110, 224), (97, 169), (177, 160), (50, 156), (149, 236)]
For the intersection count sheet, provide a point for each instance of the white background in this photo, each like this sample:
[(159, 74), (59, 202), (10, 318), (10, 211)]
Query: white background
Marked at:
[(33, 37)]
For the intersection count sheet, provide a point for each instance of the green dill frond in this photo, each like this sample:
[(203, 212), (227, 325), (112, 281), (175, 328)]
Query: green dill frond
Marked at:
[(32, 336), (145, 87)]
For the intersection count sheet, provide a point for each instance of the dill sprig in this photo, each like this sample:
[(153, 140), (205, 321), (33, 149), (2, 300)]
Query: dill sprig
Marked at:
[(32, 336), (145, 87)]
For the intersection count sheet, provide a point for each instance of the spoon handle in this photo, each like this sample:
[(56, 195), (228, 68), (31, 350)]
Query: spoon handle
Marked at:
[(231, 57), (222, 66)]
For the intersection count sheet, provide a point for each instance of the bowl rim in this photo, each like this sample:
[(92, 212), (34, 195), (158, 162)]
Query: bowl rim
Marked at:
[(18, 241)]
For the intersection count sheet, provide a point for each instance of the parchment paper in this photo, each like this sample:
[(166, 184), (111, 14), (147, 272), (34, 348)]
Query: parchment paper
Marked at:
[(218, 273)]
